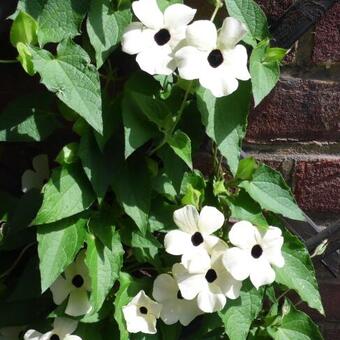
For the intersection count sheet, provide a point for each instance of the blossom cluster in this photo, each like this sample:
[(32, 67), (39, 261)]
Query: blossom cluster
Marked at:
[(209, 271), (166, 41)]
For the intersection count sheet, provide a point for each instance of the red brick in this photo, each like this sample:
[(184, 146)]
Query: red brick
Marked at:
[(298, 109), (274, 8), (317, 186), (327, 37)]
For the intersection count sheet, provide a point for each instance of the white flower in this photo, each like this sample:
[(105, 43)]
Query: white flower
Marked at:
[(174, 306), (11, 333), (194, 237), (35, 178), (62, 330), (211, 285), (254, 253), (214, 57), (156, 37), (76, 285), (141, 314)]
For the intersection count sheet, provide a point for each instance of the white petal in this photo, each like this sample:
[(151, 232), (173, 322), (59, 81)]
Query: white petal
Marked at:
[(148, 12), (189, 62), (210, 302), (189, 284), (72, 337), (231, 33), (202, 34), (156, 60), (78, 303), (47, 335), (164, 288), (186, 219), (30, 180), (261, 273), (64, 326), (271, 244), (210, 220), (216, 247), (32, 334), (178, 15), (170, 311), (136, 323), (196, 261), (218, 80), (188, 311), (228, 285), (40, 165), (237, 262), (60, 290), (141, 299), (136, 38), (243, 234), (177, 242), (235, 62)]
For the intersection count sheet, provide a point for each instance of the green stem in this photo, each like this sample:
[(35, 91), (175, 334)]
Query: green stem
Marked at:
[(217, 8), (8, 61)]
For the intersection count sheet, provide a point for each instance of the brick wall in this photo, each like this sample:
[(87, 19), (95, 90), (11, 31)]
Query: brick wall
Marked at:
[(297, 130)]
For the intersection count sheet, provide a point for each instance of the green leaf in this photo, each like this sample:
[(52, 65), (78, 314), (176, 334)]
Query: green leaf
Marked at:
[(181, 144), (25, 58), (251, 14), (68, 154), (67, 193), (225, 120), (105, 28), (74, 80), (298, 272), (28, 118), (97, 165), (269, 189), (239, 314), (264, 74), (58, 244), (104, 263), (295, 325), (246, 168), (23, 30), (133, 190), (57, 19)]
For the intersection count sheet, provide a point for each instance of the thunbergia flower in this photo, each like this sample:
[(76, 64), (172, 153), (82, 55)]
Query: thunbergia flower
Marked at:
[(76, 284), (35, 178), (212, 285), (214, 57), (254, 253), (174, 306), (141, 314), (157, 35), (62, 330), (194, 240)]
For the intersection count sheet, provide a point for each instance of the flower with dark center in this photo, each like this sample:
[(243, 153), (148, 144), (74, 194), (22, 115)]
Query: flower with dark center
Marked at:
[(215, 58), (77, 281), (162, 37), (141, 314), (156, 35), (254, 253), (54, 337), (195, 235), (211, 275), (175, 307)]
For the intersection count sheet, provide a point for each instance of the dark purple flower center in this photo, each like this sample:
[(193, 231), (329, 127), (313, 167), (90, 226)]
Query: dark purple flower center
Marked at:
[(211, 275), (197, 239), (215, 58), (179, 295), (256, 251), (143, 310), (54, 337), (162, 37), (77, 281)]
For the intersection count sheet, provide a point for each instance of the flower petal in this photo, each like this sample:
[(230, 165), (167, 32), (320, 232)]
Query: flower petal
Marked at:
[(231, 33), (32, 334), (189, 284), (60, 290), (228, 285), (210, 220), (237, 262), (188, 311), (136, 323), (156, 60), (261, 273), (243, 234), (64, 326), (40, 165), (271, 244), (186, 219), (148, 12), (170, 311), (189, 62), (196, 261), (78, 303), (235, 62), (72, 337), (202, 34), (164, 288), (178, 15), (210, 302), (30, 179), (177, 242), (136, 38), (141, 299)]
